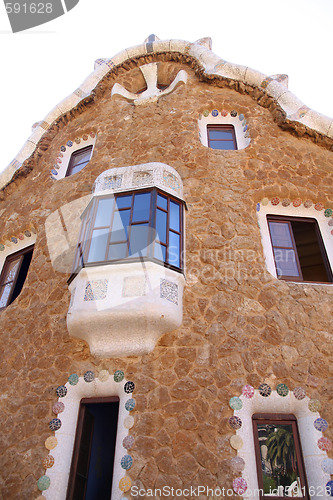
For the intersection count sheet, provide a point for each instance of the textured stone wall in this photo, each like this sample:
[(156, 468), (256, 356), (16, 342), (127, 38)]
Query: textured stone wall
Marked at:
[(241, 326)]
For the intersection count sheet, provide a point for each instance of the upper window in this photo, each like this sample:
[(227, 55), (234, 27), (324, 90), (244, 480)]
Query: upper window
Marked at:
[(13, 275), (135, 225), (280, 466), (298, 249), (221, 137), (79, 160)]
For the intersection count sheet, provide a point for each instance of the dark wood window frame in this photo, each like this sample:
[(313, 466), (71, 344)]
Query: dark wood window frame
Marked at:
[(279, 419), (17, 256), (225, 127), (88, 225), (74, 155), (325, 260), (78, 438)]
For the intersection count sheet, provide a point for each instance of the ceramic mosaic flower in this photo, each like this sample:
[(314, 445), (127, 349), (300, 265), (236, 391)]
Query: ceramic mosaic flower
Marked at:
[(118, 376), (327, 465), (43, 483), (299, 393), (237, 464), (248, 391), (240, 485), (48, 462), (129, 387), (224, 112), (125, 483), (55, 424), (58, 407), (319, 206), (264, 390), (130, 404), (235, 422), (61, 391), (126, 462), (297, 202), (89, 376), (128, 442), (235, 403), (275, 201), (324, 444), (236, 442), (328, 212), (320, 424), (307, 203), (73, 379), (233, 113), (314, 405), (285, 202), (282, 390)]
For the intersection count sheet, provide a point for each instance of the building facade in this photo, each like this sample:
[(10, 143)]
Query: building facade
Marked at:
[(166, 250)]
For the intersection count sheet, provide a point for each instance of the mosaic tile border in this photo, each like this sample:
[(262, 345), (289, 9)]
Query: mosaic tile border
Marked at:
[(230, 117), (265, 391), (126, 462), (296, 203), (7, 243), (61, 162)]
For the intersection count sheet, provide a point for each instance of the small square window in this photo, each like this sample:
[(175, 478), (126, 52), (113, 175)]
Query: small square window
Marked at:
[(13, 275), (298, 248), (79, 160), (221, 137)]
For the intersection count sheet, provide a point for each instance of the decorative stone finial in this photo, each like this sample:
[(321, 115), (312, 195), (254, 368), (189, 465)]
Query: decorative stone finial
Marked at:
[(151, 38), (206, 42)]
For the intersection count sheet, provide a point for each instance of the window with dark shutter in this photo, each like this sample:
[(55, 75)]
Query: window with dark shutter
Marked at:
[(13, 275)]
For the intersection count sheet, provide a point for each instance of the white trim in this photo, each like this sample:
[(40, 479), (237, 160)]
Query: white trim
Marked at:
[(309, 436), (292, 211), (62, 453)]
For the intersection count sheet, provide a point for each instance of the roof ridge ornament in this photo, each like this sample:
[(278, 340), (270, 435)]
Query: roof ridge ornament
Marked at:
[(152, 92)]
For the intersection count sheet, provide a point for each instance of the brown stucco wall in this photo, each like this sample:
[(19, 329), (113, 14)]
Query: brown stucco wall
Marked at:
[(241, 325)]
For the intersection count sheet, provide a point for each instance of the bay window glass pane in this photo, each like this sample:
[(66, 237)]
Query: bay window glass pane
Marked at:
[(120, 225), (117, 251), (161, 226), (280, 234), (162, 202), (98, 245), (285, 260), (124, 201), (174, 216), (139, 240), (279, 465), (174, 249), (104, 212), (160, 252), (141, 208)]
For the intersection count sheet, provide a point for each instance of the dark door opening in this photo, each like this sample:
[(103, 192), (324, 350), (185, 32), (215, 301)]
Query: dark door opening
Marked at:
[(94, 449)]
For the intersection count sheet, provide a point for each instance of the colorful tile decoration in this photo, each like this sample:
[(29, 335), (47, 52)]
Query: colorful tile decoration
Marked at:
[(206, 113), (324, 444), (55, 424), (236, 442), (112, 182), (314, 405), (299, 393), (169, 291), (48, 462), (58, 407), (125, 483), (264, 390), (319, 206), (328, 212), (224, 112), (61, 391), (235, 422), (129, 422), (170, 181), (73, 379), (13, 239), (2, 247), (51, 442), (320, 424), (282, 390), (330, 222), (327, 465), (215, 112), (142, 178), (297, 202), (241, 117), (248, 391), (235, 403), (69, 144), (275, 201), (118, 376), (103, 375), (258, 207), (96, 290), (308, 203), (126, 462), (237, 464), (233, 113), (129, 387), (43, 483), (286, 202), (77, 140), (63, 148), (85, 137), (239, 485), (128, 442), (265, 201), (89, 376), (130, 404)]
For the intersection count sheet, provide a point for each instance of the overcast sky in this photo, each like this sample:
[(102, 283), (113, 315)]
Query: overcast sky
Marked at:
[(41, 66)]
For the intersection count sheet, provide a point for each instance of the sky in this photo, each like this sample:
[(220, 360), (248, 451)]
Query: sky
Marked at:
[(41, 66)]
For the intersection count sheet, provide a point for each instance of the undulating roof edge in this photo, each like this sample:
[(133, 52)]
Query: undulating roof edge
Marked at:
[(212, 65)]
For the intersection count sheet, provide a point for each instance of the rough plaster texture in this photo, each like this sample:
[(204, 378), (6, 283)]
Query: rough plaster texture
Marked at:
[(240, 326)]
